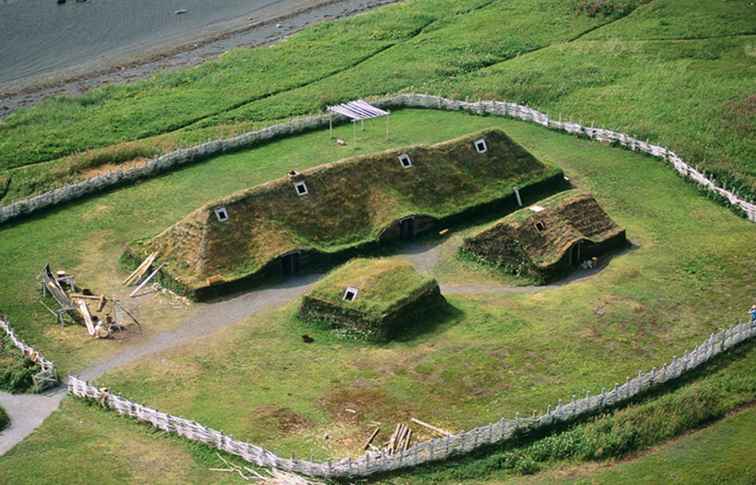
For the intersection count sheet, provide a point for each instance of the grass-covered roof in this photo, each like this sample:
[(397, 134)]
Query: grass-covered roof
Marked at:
[(545, 231), (349, 203), (383, 286)]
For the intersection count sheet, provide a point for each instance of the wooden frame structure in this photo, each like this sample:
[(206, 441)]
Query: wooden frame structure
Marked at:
[(357, 111)]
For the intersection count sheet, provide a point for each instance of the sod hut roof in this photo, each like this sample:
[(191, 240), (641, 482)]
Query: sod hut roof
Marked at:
[(345, 204), (543, 234), (370, 295)]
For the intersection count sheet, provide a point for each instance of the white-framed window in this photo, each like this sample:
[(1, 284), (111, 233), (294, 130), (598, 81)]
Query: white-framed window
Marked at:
[(540, 226), (405, 160), (481, 146), (350, 294), (221, 213), (301, 188)]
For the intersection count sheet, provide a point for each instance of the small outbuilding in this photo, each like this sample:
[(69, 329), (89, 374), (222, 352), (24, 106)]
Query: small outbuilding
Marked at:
[(371, 299), (548, 239)]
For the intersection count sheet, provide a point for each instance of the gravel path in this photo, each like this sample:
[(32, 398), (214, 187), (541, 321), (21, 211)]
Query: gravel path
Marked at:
[(26, 411)]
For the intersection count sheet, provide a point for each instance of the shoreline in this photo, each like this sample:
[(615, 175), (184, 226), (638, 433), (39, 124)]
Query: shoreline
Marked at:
[(174, 55)]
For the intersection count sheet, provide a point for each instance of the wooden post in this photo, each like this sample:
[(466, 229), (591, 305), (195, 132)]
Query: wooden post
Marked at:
[(517, 194)]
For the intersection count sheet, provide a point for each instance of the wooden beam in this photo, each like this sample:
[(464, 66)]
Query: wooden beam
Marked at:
[(372, 437), (146, 280), (431, 427), (84, 311), (141, 269)]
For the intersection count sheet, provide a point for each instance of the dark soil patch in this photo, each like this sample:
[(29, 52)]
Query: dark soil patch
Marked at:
[(364, 402), (283, 419)]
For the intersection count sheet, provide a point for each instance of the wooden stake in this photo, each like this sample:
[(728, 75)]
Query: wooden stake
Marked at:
[(101, 303), (81, 296), (431, 427), (372, 437), (146, 280)]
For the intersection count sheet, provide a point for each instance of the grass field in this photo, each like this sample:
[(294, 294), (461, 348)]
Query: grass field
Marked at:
[(678, 72), (638, 312), (100, 227), (636, 70), (720, 453), (495, 354)]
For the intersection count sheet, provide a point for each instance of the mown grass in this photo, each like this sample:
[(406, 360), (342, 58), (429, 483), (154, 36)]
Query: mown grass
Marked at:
[(719, 454), (698, 400), (110, 450), (639, 70), (493, 355)]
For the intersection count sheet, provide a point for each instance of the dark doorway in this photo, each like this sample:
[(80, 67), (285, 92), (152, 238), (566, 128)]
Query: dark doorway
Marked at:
[(290, 264), (575, 254), (407, 229)]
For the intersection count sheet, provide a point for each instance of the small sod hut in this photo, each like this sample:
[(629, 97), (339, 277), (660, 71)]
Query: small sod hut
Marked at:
[(371, 298), (550, 238)]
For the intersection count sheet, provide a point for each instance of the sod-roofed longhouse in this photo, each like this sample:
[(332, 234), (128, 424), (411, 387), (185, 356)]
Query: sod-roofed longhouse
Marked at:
[(371, 298), (550, 238), (345, 205)]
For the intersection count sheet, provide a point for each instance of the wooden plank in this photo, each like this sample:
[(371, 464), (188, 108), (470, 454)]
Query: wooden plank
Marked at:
[(84, 311), (146, 280), (101, 303), (372, 437), (81, 296), (141, 269), (431, 427)]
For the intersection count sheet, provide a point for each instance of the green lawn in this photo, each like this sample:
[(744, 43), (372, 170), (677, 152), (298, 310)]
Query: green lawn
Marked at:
[(677, 72), (494, 355), (719, 454)]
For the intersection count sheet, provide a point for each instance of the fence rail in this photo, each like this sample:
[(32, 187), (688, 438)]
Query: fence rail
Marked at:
[(497, 108), (433, 450), (47, 375)]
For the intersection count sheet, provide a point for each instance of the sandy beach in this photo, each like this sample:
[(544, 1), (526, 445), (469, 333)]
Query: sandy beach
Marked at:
[(51, 49)]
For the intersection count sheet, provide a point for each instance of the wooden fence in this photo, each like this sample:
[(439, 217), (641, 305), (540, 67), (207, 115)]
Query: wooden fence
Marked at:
[(434, 450), (498, 108), (47, 375)]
